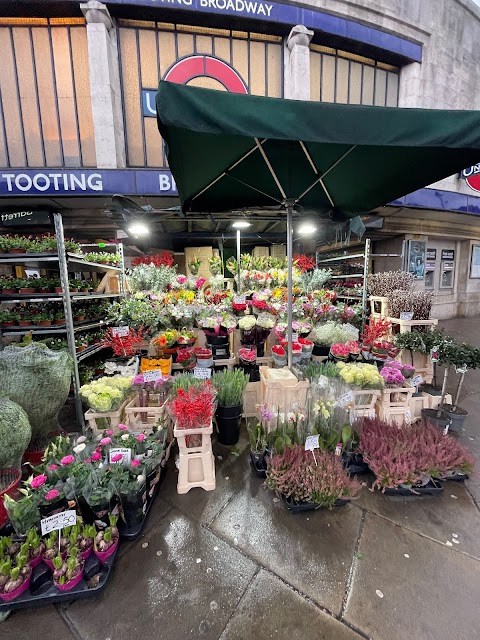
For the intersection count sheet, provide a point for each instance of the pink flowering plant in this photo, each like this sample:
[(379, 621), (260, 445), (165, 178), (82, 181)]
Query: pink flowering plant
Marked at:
[(409, 456), (392, 375), (339, 350), (295, 475)]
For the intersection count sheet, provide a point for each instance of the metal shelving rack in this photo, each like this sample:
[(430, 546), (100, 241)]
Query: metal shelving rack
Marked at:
[(367, 256), (66, 262)]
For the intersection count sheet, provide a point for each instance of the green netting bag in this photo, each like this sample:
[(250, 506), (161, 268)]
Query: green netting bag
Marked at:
[(15, 433), (37, 379)]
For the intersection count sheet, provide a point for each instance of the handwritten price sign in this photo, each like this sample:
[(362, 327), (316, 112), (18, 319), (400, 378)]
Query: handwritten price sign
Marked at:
[(152, 376), (121, 332), (125, 453), (311, 443), (239, 300), (58, 521), (202, 373)]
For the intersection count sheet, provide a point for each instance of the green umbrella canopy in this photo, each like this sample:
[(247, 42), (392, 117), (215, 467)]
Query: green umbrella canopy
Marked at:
[(229, 151)]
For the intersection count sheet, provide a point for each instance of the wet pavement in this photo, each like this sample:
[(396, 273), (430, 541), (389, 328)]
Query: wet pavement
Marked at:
[(234, 564)]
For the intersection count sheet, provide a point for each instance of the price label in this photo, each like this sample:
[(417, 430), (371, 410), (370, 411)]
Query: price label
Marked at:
[(408, 416), (338, 449), (125, 453), (239, 300), (311, 443), (445, 431), (294, 337), (120, 332), (152, 376), (461, 369), (345, 399), (203, 373), (406, 315), (434, 354), (58, 521), (417, 380)]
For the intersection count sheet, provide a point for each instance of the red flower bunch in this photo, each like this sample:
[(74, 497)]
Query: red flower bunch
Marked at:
[(247, 355), (303, 262), (340, 350), (160, 259), (278, 350), (238, 308), (203, 354), (186, 358), (123, 345), (353, 346), (215, 298), (376, 329), (261, 305), (305, 343), (194, 408)]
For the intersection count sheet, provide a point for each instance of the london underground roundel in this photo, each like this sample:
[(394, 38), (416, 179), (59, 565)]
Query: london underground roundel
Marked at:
[(473, 181), (198, 66)]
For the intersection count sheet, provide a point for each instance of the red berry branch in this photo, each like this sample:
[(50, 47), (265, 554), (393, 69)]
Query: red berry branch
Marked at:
[(126, 345)]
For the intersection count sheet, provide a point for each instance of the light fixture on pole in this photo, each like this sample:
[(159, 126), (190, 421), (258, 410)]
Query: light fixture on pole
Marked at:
[(306, 229), (239, 224), (138, 229)]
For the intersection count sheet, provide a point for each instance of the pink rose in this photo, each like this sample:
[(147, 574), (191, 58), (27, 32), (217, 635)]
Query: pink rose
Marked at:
[(38, 481), (67, 460), (117, 457), (141, 437), (122, 427), (109, 432), (53, 467), (136, 463), (52, 494), (105, 441)]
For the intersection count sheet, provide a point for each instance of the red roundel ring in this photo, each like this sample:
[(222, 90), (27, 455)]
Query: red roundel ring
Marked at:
[(197, 66), (474, 182)]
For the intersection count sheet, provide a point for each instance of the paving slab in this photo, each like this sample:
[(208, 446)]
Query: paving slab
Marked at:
[(431, 595), (272, 610), (185, 584), (203, 506), (158, 513), (35, 624), (312, 551), (436, 517)]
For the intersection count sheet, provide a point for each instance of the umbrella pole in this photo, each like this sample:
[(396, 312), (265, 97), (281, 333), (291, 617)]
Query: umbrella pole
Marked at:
[(289, 282), (239, 288)]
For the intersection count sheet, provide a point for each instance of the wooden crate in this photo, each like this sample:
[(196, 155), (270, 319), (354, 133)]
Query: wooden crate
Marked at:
[(99, 422), (417, 403), (397, 415), (143, 418), (282, 392), (422, 363), (434, 401), (252, 397), (379, 306), (396, 397), (405, 326)]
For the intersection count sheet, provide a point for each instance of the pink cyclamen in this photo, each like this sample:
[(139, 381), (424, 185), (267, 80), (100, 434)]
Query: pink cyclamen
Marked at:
[(67, 460), (38, 481)]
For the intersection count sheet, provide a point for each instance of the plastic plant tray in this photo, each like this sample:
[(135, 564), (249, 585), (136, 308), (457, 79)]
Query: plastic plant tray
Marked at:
[(132, 533), (433, 488), (298, 507), (42, 591)]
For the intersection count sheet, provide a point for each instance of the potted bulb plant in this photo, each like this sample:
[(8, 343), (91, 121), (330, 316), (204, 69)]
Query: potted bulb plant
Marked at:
[(106, 541), (230, 385)]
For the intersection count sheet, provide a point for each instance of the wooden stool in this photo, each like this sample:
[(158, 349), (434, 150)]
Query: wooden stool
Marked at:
[(196, 464)]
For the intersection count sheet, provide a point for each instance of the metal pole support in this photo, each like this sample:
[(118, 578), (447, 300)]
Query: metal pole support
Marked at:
[(289, 282), (239, 286)]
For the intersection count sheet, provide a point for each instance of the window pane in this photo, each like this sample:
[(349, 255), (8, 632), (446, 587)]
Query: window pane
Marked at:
[(392, 89), (327, 91), (355, 83), (380, 87), (10, 102), (78, 37), (342, 80), (367, 88)]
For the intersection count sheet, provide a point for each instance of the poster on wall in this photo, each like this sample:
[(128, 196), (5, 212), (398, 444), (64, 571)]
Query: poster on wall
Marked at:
[(475, 262), (448, 254), (416, 258), (431, 254)]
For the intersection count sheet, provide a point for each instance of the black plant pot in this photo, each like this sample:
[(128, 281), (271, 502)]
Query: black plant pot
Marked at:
[(152, 480), (298, 507), (259, 464), (133, 507), (457, 417), (52, 508), (353, 463), (320, 350), (251, 370), (217, 340), (430, 415), (220, 352), (228, 423), (102, 510)]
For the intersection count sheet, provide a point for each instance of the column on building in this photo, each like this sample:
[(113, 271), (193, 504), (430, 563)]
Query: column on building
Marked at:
[(105, 86), (297, 63)]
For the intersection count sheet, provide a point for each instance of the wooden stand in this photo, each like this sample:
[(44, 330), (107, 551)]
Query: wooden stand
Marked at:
[(196, 464), (252, 397), (406, 326), (379, 302), (434, 401), (394, 405), (417, 403), (364, 402)]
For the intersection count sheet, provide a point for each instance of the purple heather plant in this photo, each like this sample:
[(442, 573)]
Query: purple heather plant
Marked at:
[(295, 475), (406, 455)]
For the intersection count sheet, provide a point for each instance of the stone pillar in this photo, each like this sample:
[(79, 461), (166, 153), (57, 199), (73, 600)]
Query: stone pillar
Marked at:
[(105, 86), (297, 63)]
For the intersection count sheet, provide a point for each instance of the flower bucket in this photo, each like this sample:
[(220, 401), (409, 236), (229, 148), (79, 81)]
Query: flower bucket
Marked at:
[(87, 553), (52, 508), (104, 555), (321, 350), (228, 423), (71, 583), (133, 506), (8, 597)]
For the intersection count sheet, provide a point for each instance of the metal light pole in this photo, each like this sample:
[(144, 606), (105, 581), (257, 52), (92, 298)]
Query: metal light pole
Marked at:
[(239, 286), (289, 282)]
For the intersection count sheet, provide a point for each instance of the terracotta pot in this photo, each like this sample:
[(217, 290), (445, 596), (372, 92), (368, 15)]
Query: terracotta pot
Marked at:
[(79, 318), (17, 251), (8, 323), (24, 323), (44, 323), (8, 291), (62, 321), (78, 349), (72, 290), (26, 290), (58, 290)]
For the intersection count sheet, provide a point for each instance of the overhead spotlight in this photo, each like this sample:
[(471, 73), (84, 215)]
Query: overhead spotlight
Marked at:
[(241, 224), (306, 229), (138, 229)]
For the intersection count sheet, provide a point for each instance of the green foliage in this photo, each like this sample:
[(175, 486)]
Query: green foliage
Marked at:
[(230, 385), (331, 332), (314, 280), (314, 370), (148, 277), (15, 433), (185, 381)]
